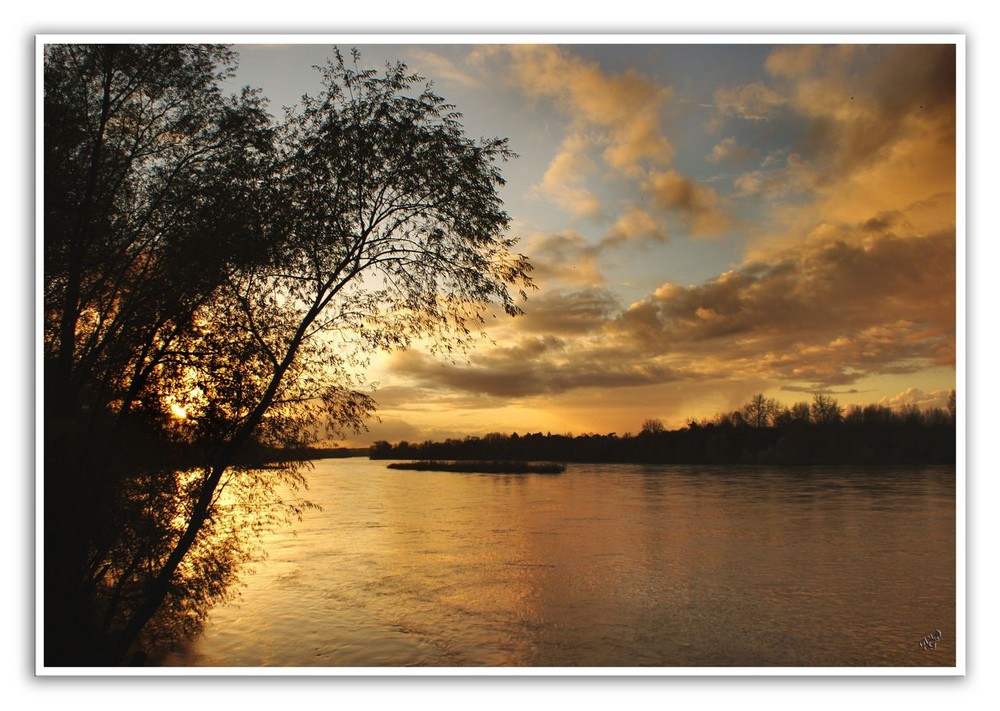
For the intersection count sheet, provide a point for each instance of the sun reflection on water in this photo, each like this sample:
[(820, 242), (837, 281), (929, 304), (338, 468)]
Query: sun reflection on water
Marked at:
[(619, 566)]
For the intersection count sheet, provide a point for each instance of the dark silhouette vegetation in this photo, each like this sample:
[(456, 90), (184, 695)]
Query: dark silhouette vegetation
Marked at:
[(214, 282), (481, 467), (762, 432)]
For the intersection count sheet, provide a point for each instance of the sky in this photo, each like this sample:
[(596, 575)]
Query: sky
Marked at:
[(705, 221)]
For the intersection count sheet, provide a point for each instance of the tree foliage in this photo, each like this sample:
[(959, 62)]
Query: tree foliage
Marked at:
[(214, 284), (761, 411), (825, 410), (652, 426)]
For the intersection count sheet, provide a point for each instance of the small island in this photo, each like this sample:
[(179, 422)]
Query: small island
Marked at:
[(481, 467)]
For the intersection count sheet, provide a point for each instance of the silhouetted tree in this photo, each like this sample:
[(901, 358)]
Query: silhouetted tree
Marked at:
[(652, 426), (151, 195), (878, 414), (911, 413), (213, 283), (825, 410), (800, 412), (145, 160), (760, 411)]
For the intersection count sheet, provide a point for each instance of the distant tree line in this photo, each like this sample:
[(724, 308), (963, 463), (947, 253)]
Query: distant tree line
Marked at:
[(763, 431)]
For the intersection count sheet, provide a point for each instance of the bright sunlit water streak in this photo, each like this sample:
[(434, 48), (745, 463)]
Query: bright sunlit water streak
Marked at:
[(604, 565)]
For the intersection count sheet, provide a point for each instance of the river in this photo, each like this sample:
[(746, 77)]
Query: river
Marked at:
[(603, 565)]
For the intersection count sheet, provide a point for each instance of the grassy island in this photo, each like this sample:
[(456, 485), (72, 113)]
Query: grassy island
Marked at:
[(482, 467)]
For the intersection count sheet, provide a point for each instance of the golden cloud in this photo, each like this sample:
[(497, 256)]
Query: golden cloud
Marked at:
[(863, 100), (879, 127), (636, 226), (699, 204), (822, 315), (566, 257), (856, 277), (826, 313), (620, 115), (626, 105), (564, 181), (532, 367)]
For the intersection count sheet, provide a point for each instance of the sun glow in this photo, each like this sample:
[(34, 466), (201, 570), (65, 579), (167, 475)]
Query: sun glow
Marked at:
[(178, 411)]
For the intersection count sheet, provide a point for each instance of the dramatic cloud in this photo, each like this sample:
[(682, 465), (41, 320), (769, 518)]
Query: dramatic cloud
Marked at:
[(565, 181), (861, 104), (861, 100), (830, 188), (626, 106), (822, 315), (698, 203), (569, 312), (621, 116), (876, 129), (569, 259), (566, 258), (636, 226), (532, 368)]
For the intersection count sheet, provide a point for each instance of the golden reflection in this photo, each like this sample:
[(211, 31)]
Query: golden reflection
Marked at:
[(602, 566)]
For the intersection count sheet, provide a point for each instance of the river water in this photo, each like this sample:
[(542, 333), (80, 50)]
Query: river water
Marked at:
[(603, 565)]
